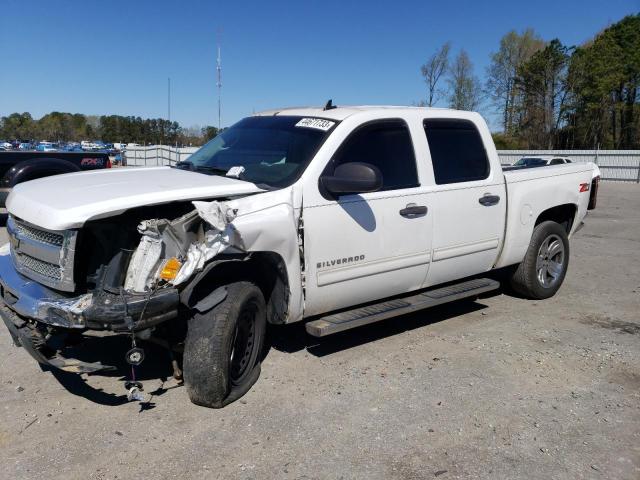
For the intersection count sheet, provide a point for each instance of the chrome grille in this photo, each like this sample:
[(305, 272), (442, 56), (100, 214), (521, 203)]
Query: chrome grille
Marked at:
[(43, 268), (39, 235), (43, 255)]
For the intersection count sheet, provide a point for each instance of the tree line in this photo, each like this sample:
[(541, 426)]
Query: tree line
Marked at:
[(547, 94), (59, 126)]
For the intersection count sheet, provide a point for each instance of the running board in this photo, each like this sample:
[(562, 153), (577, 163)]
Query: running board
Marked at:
[(357, 317)]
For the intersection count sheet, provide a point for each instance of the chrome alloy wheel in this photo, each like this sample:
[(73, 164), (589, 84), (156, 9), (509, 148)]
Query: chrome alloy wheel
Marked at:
[(551, 261)]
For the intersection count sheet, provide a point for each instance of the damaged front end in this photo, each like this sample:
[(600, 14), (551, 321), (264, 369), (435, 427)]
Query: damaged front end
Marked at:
[(128, 288), (170, 252)]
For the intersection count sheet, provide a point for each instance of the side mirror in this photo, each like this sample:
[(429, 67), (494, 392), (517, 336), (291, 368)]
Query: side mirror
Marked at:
[(353, 177)]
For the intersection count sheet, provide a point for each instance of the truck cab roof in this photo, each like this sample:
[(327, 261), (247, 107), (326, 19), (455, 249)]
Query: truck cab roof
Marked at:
[(342, 112)]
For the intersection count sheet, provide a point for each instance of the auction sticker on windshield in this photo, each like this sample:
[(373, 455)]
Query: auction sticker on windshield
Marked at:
[(317, 123)]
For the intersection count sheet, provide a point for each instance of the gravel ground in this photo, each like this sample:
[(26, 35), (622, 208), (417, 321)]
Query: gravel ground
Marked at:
[(497, 388)]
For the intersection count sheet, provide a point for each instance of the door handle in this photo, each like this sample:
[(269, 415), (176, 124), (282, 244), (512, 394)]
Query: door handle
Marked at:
[(412, 210), (487, 199)]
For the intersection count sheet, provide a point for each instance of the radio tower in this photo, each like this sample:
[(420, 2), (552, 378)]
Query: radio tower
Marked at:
[(219, 85)]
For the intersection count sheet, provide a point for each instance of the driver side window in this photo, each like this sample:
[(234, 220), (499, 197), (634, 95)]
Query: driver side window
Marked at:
[(387, 145)]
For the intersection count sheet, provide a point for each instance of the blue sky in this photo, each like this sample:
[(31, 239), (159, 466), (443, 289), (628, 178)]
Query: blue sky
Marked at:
[(114, 57)]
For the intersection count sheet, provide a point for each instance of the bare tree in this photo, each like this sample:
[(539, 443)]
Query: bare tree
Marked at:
[(515, 50), (464, 86), (433, 69), (543, 83)]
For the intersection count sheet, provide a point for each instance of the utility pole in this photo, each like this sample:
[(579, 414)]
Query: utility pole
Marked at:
[(169, 99), (219, 85)]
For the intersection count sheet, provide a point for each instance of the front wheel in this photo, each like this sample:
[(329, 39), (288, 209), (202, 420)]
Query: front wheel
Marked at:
[(545, 264), (223, 347)]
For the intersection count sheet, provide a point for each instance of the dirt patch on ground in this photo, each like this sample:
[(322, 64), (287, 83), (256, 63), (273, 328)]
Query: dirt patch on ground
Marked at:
[(617, 325)]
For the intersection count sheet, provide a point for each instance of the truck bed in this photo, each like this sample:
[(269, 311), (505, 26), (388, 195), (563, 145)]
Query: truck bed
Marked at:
[(85, 160), (531, 191)]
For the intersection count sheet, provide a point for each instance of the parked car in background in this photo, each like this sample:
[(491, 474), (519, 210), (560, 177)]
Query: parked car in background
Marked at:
[(5, 145), (541, 161), (70, 147), (25, 146), (110, 148), (46, 147), (546, 160), (91, 146)]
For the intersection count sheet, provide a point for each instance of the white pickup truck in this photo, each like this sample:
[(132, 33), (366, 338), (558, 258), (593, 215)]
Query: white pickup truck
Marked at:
[(337, 216)]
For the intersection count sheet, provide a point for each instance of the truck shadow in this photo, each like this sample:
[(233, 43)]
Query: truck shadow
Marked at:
[(293, 338), (110, 350)]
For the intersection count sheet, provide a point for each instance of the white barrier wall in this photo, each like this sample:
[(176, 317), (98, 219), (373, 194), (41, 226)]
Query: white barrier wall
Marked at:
[(620, 165), (155, 155)]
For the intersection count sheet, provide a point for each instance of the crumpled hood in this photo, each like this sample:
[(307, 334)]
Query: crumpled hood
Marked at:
[(68, 201)]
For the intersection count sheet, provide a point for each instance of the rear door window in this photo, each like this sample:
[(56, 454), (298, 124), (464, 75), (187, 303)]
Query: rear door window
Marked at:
[(457, 151)]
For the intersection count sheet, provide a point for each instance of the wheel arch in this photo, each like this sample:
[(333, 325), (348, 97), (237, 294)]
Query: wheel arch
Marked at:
[(35, 168), (564, 215), (265, 269)]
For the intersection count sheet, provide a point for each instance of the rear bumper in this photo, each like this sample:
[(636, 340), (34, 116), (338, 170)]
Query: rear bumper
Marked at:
[(32, 301)]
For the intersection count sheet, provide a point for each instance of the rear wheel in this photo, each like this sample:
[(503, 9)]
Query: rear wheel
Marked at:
[(545, 264), (223, 347)]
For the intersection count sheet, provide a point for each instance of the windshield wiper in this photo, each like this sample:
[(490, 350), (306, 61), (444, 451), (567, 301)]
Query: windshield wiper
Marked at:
[(187, 165), (184, 165), (208, 169)]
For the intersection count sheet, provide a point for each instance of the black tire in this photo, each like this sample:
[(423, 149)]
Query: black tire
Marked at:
[(214, 374), (538, 278)]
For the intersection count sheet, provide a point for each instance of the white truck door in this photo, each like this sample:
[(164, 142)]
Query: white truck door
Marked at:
[(369, 246), (469, 203)]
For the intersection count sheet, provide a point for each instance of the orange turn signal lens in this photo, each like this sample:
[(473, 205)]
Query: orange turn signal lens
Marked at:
[(170, 269)]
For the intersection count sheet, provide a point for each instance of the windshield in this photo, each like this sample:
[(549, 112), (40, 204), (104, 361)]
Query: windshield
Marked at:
[(272, 151), (530, 162)]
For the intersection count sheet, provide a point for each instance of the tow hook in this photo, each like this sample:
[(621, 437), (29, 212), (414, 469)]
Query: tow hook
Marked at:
[(134, 357), (134, 391)]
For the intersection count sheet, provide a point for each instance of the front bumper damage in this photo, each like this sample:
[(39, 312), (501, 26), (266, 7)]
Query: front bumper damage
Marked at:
[(104, 311), (34, 312), (29, 309), (28, 336)]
